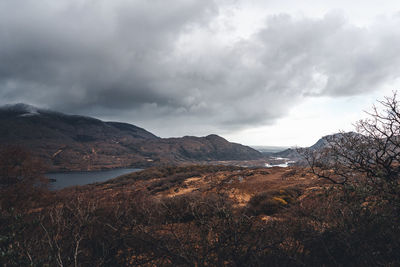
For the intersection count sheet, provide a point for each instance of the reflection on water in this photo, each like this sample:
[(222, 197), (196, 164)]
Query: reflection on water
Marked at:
[(65, 179), (283, 165), (279, 162)]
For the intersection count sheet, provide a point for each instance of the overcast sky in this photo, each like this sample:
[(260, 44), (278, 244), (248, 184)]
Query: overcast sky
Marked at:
[(278, 72)]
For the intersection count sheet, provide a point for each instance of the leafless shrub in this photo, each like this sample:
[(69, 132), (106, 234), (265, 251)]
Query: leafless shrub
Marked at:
[(359, 216)]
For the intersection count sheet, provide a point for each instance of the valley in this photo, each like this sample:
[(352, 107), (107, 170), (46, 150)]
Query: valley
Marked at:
[(189, 201), (199, 133)]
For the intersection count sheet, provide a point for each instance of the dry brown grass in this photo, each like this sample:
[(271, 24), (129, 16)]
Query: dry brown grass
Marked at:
[(239, 184)]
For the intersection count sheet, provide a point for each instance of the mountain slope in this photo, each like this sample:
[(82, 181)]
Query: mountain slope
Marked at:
[(320, 145), (72, 142)]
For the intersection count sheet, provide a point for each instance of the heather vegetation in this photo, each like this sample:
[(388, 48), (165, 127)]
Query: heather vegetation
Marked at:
[(348, 216)]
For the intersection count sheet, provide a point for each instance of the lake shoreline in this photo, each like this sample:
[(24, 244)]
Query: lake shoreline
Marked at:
[(61, 180)]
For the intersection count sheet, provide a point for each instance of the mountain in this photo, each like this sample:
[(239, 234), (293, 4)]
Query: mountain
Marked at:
[(73, 142), (268, 150), (321, 144)]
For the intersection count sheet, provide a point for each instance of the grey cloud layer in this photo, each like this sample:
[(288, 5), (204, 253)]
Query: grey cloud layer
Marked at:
[(158, 63)]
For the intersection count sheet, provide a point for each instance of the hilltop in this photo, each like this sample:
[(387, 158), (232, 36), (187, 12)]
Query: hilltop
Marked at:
[(292, 155), (74, 142)]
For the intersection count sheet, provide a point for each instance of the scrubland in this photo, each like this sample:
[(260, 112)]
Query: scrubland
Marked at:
[(200, 216)]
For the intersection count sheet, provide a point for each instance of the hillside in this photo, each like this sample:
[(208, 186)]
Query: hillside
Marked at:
[(323, 143), (238, 183), (72, 142)]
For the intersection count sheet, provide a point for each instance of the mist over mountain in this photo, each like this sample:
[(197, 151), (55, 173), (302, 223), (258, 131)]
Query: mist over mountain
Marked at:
[(73, 142)]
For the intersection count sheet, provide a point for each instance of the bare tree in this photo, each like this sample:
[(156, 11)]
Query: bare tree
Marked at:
[(369, 155)]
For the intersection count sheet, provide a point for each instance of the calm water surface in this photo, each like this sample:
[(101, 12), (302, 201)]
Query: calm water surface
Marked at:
[(65, 179)]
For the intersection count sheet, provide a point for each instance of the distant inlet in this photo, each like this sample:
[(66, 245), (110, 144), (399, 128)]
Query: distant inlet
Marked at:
[(65, 179), (279, 162)]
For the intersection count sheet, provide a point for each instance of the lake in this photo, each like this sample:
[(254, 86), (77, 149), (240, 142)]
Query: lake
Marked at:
[(65, 179), (279, 162)]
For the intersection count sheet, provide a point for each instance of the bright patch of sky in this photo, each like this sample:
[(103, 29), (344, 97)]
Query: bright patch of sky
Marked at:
[(316, 116), (310, 120)]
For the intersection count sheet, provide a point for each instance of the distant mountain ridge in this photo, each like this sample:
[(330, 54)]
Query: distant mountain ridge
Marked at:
[(322, 143), (74, 142)]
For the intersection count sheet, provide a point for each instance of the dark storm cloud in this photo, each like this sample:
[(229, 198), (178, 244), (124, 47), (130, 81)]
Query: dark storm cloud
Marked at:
[(159, 64), (87, 51)]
